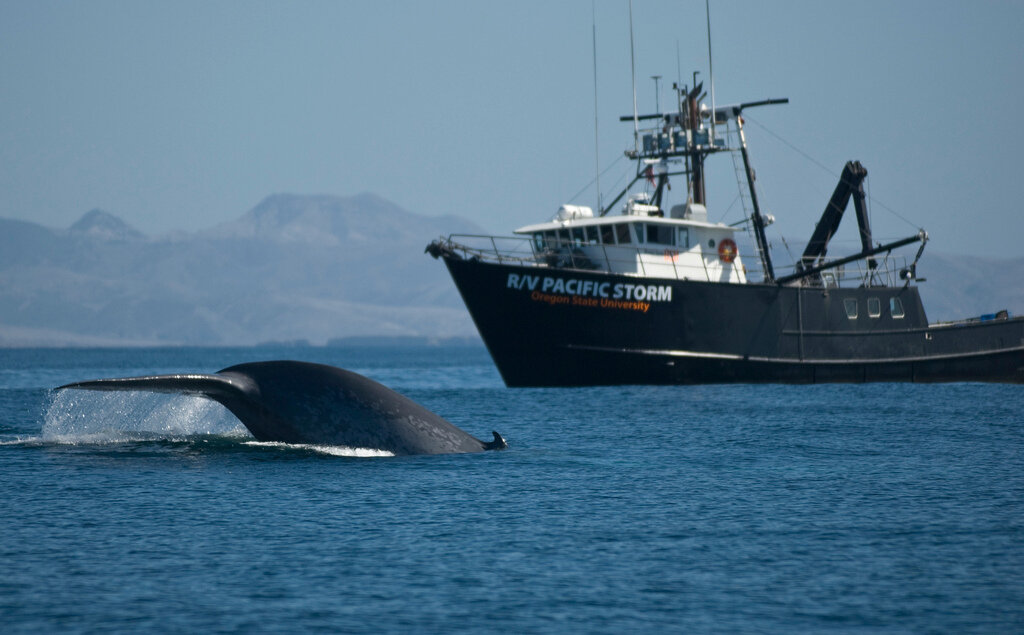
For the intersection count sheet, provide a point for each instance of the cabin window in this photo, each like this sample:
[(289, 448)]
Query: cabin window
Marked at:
[(563, 237), (874, 307), (683, 237), (591, 234), (538, 241), (850, 304), (549, 240), (608, 234), (638, 229), (896, 308), (577, 236), (622, 233), (660, 234)]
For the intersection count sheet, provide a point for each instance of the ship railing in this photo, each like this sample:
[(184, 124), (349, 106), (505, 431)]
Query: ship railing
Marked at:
[(500, 249), (891, 270), (628, 260)]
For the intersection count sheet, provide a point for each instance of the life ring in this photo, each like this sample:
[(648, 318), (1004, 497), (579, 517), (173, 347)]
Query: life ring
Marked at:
[(727, 251)]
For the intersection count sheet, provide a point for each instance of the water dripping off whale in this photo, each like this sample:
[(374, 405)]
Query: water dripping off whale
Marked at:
[(306, 403)]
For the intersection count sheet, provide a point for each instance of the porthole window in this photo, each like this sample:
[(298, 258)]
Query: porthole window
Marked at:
[(711, 243), (850, 304), (874, 307), (896, 308)]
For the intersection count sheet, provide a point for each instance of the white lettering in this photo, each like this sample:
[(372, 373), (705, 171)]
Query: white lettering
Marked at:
[(576, 287)]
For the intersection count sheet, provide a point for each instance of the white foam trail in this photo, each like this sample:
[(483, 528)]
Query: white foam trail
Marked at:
[(333, 450), (77, 416)]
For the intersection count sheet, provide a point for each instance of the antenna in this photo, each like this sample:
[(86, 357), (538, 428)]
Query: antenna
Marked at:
[(657, 95), (711, 71), (679, 67), (632, 63), (597, 153)]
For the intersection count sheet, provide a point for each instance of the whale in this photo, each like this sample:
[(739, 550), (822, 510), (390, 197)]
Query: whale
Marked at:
[(306, 403)]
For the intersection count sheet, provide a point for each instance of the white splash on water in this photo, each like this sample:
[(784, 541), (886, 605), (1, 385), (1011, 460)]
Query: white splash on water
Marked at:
[(22, 441), (103, 418), (90, 417), (333, 450)]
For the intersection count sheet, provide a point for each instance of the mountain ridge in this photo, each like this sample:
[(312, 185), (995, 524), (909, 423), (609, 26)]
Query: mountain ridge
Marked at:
[(304, 274)]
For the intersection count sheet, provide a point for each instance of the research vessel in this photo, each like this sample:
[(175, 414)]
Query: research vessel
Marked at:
[(642, 292)]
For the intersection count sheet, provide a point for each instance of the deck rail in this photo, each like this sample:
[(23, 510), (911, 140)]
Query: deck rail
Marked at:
[(522, 251)]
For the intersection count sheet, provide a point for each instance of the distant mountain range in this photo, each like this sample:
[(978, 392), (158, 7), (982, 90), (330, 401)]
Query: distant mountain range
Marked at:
[(300, 268), (294, 268)]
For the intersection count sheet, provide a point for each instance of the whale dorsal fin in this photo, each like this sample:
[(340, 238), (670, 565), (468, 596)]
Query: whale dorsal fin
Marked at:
[(498, 443)]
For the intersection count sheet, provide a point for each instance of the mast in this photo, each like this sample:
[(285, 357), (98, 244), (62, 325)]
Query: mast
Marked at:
[(759, 236), (696, 156), (711, 69)]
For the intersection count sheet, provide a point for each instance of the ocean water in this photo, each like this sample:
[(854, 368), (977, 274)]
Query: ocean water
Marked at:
[(733, 509)]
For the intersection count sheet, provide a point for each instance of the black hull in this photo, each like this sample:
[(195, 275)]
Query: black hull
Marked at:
[(558, 327)]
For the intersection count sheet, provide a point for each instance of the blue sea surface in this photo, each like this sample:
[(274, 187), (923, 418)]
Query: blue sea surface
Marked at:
[(733, 509)]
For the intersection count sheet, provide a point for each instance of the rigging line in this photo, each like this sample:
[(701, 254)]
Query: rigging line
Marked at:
[(821, 165), (632, 64), (824, 167), (729, 209), (597, 150), (622, 177), (895, 213), (603, 172), (786, 245)]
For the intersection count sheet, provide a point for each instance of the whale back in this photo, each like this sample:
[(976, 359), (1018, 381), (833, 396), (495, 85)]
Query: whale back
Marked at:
[(302, 402)]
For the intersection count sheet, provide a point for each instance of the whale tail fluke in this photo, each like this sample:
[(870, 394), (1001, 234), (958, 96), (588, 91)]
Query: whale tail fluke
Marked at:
[(212, 386), (498, 443)]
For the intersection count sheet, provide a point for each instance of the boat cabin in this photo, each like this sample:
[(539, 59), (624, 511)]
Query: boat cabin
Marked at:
[(641, 241)]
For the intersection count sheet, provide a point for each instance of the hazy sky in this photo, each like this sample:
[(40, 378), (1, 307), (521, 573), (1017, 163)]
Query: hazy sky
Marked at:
[(181, 115)]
